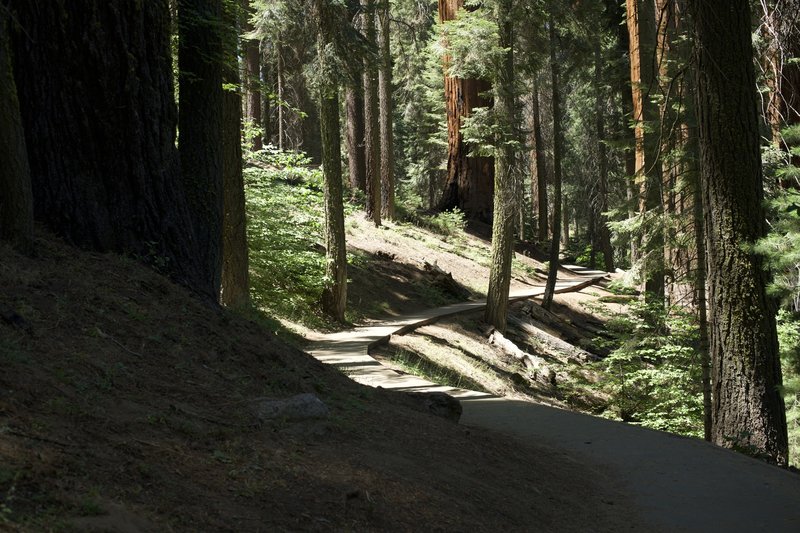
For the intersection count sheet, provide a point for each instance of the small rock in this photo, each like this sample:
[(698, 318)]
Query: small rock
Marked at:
[(297, 408), (439, 404)]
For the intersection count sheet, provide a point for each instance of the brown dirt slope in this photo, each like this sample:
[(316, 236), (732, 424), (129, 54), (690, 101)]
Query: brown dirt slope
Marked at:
[(124, 406)]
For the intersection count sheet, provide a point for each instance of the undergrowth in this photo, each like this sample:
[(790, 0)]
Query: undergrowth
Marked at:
[(285, 231), (652, 374)]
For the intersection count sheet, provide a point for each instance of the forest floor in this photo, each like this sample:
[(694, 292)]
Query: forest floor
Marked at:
[(127, 404)]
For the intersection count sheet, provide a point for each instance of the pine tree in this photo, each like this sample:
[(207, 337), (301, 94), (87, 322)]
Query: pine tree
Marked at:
[(558, 147), (386, 106), (748, 408), (504, 189), (372, 133), (334, 297)]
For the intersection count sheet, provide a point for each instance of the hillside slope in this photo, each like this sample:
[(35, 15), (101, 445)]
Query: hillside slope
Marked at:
[(126, 404)]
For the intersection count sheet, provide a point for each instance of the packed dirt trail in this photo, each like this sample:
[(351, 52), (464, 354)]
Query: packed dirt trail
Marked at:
[(676, 483)]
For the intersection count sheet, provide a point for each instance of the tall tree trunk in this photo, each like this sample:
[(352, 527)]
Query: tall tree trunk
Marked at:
[(252, 76), (235, 290), (355, 136), (539, 167), (748, 408), (470, 180), (504, 189), (601, 223), (642, 42), (372, 133), (558, 140), (266, 96), (334, 296), (354, 109), (16, 197), (97, 179), (200, 56), (386, 106), (280, 73), (700, 287)]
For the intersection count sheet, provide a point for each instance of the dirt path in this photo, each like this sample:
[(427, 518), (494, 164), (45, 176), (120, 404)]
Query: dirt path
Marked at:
[(677, 483)]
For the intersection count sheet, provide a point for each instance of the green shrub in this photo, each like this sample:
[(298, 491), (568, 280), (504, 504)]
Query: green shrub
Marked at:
[(653, 372)]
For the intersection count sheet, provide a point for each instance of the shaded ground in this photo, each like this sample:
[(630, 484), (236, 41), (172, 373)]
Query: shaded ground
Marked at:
[(128, 408)]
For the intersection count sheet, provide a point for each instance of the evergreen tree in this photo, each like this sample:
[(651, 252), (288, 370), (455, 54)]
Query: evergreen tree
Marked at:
[(748, 409), (334, 297), (506, 142), (372, 133)]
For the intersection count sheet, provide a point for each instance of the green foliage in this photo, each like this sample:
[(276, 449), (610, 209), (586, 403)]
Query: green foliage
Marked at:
[(285, 230), (789, 339), (653, 372), (471, 45), (781, 248)]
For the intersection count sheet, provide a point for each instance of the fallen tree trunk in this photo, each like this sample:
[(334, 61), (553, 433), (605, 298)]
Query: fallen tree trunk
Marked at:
[(534, 364), (554, 343)]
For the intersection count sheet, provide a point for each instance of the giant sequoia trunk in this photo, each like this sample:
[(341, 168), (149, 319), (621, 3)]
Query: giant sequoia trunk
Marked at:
[(97, 105), (748, 407), (200, 55), (16, 197), (505, 189), (470, 180), (641, 23)]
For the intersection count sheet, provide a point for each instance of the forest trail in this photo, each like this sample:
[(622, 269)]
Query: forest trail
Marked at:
[(677, 483), (349, 350)]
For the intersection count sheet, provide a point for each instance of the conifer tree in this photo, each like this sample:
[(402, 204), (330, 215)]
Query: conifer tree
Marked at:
[(748, 409)]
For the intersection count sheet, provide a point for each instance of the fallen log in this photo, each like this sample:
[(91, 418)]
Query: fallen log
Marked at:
[(554, 343), (535, 365)]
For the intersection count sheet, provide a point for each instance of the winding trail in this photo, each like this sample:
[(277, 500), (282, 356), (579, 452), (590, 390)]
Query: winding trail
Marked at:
[(677, 483)]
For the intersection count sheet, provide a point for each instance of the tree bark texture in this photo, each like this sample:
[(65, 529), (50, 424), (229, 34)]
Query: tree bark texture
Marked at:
[(558, 140), (601, 229), (470, 180), (748, 408), (372, 130), (354, 104), (252, 76), (16, 196), (641, 23), (505, 188), (539, 199), (200, 57), (235, 291), (386, 106), (96, 97), (334, 296)]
